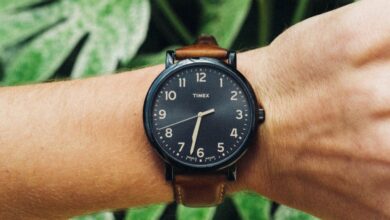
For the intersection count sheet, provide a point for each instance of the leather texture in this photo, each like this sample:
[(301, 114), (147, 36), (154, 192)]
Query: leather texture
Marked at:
[(205, 46), (200, 190), (204, 189)]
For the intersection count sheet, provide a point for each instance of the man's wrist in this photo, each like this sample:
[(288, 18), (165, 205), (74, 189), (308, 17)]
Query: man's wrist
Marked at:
[(254, 169)]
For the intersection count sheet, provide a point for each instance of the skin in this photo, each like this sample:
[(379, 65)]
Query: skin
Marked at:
[(69, 148)]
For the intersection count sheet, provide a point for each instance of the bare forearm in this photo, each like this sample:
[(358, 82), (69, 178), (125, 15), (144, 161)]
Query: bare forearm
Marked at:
[(78, 146)]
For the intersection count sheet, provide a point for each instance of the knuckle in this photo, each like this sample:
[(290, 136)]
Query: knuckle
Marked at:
[(381, 99), (357, 33), (366, 29)]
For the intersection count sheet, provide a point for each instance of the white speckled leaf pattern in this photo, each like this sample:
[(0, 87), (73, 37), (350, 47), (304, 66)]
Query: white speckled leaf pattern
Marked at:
[(133, 40), (113, 38), (251, 206), (287, 213), (115, 29), (36, 61), (97, 216), (9, 5), (16, 27)]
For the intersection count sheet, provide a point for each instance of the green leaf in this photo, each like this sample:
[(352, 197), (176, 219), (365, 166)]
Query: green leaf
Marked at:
[(152, 212), (264, 11), (8, 5), (109, 42), (148, 59), (186, 213), (143, 60), (98, 56), (38, 60), (97, 216), (136, 34), (223, 19), (17, 27), (115, 30), (251, 206), (300, 11), (287, 213)]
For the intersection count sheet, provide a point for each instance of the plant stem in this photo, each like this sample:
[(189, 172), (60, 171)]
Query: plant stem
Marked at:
[(264, 11), (168, 12), (300, 11)]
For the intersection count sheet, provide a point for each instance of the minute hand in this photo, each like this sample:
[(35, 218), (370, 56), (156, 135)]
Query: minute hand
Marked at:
[(195, 133), (197, 126)]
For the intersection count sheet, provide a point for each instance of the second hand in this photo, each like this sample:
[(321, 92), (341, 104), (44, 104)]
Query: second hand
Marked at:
[(184, 120)]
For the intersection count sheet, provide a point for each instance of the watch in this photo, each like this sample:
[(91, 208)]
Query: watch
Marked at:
[(200, 114)]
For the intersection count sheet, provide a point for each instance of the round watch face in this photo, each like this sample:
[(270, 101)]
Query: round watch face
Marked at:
[(200, 114)]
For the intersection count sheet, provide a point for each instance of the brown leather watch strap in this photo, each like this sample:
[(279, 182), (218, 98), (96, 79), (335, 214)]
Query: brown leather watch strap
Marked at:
[(203, 189), (199, 190), (205, 46)]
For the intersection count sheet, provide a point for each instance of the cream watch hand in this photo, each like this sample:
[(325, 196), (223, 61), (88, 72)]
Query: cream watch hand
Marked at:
[(197, 126), (207, 112)]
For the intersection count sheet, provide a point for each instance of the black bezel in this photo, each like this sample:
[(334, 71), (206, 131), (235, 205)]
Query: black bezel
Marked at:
[(168, 72)]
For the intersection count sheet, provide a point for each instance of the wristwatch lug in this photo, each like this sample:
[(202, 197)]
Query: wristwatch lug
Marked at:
[(232, 59), (170, 58), (232, 173), (169, 173), (261, 115)]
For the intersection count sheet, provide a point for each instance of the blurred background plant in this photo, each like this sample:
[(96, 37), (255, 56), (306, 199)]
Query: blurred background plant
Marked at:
[(48, 40)]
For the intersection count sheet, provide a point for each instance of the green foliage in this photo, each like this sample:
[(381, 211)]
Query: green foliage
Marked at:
[(249, 206), (223, 19), (252, 206), (41, 39), (286, 213), (149, 59), (97, 216), (7, 5), (185, 213), (152, 212), (300, 11), (114, 30)]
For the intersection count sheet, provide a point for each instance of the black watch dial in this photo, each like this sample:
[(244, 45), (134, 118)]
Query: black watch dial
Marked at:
[(202, 115)]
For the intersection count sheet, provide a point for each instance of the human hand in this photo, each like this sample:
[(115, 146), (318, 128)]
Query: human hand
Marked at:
[(325, 86)]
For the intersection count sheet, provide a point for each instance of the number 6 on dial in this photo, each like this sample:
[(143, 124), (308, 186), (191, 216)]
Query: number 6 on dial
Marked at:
[(200, 152)]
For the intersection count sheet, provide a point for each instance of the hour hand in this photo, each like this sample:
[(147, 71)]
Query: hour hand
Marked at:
[(206, 112)]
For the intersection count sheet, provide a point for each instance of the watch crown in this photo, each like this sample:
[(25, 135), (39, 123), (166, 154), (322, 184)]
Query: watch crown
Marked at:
[(261, 115)]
